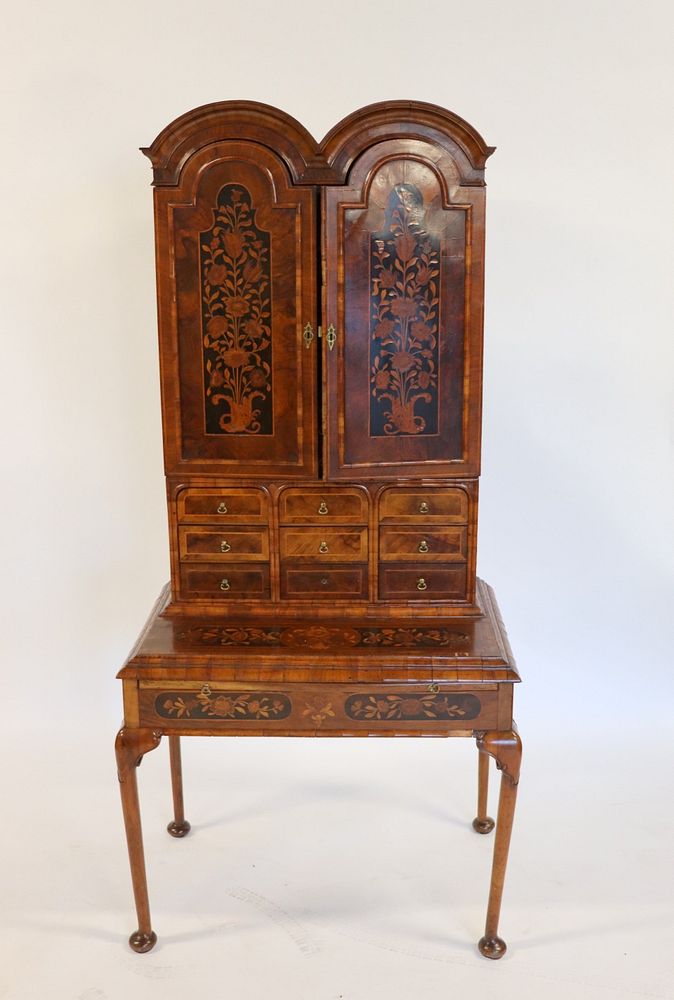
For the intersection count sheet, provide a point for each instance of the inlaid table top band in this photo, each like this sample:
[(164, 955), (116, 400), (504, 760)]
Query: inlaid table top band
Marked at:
[(474, 649)]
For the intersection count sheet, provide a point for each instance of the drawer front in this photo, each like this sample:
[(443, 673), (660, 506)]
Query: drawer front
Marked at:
[(324, 545), (310, 506), (229, 583), (317, 708), (229, 506), (328, 582), (422, 582), (423, 544), (431, 505), (224, 545)]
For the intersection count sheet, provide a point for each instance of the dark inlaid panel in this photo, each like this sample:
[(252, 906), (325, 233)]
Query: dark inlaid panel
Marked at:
[(236, 311), (404, 317), (404, 705), (241, 706), (325, 636)]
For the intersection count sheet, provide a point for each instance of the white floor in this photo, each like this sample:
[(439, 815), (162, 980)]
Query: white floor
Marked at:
[(325, 869)]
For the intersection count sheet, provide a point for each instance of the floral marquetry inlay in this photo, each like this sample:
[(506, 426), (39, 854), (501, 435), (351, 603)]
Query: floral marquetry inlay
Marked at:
[(236, 314), (314, 710), (318, 710), (222, 705), (324, 636), (404, 319), (379, 707)]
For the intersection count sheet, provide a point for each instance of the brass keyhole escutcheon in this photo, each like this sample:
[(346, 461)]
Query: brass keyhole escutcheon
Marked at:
[(423, 545), (434, 688), (423, 507), (323, 547), (224, 545), (224, 584), (222, 507), (331, 336), (206, 691), (324, 581), (308, 335), (322, 507), (421, 584)]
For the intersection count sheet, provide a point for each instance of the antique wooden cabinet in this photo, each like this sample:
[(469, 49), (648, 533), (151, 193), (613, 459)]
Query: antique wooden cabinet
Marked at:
[(320, 333)]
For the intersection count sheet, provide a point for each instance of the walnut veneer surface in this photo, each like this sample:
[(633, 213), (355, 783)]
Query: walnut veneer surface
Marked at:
[(320, 313)]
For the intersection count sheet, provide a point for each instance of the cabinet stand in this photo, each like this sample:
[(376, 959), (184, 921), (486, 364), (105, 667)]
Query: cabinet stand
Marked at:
[(451, 678)]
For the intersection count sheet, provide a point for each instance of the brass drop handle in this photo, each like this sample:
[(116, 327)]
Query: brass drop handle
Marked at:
[(222, 507), (224, 545), (423, 545), (322, 507), (331, 336), (224, 584), (308, 335), (423, 507), (421, 584), (323, 547)]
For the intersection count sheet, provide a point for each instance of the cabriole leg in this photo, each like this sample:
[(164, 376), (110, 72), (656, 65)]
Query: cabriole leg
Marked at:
[(506, 749), (178, 827), (130, 746), (482, 823)]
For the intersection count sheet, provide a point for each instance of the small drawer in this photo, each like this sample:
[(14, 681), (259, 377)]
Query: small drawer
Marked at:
[(199, 544), (434, 544), (324, 544), (229, 506), (432, 505), (422, 582), (323, 506), (230, 583), (331, 582)]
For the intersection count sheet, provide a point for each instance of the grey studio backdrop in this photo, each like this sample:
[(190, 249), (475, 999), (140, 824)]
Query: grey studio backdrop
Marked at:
[(575, 519)]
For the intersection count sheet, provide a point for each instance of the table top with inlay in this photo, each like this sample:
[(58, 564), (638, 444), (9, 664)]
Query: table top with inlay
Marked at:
[(472, 650)]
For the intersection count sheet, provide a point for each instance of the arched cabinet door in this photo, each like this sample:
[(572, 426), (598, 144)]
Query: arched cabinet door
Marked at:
[(403, 245), (236, 245)]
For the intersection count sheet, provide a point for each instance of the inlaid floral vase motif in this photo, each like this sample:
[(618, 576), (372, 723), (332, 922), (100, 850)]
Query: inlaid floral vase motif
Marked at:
[(404, 317), (236, 316)]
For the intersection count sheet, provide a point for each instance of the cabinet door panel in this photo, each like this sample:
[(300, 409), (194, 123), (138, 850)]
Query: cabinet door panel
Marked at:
[(239, 383), (403, 250)]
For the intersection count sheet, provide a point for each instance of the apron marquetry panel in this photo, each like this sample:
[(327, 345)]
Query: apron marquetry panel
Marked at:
[(313, 707)]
